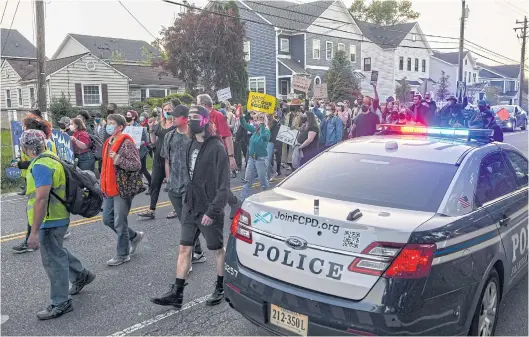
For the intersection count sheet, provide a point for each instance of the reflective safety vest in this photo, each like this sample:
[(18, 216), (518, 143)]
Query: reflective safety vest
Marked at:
[(56, 210)]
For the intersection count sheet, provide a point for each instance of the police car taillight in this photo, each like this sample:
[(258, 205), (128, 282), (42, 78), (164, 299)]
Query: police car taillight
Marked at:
[(412, 261), (240, 226)]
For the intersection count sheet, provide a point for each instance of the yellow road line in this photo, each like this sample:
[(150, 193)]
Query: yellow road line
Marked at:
[(79, 222)]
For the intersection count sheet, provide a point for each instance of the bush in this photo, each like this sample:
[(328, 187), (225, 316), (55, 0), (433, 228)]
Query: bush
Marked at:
[(60, 107)]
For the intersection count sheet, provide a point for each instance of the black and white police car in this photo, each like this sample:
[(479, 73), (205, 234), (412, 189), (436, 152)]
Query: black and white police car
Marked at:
[(414, 231)]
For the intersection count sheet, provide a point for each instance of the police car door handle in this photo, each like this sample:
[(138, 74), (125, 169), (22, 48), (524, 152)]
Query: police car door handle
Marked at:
[(505, 220)]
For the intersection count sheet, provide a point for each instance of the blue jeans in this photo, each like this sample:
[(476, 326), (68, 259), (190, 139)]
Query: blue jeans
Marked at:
[(115, 213), (60, 265), (270, 157), (256, 167)]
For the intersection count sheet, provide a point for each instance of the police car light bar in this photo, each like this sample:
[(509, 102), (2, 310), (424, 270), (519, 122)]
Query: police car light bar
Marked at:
[(435, 131)]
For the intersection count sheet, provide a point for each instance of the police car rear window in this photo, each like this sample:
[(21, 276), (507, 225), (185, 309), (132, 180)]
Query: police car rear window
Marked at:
[(374, 180)]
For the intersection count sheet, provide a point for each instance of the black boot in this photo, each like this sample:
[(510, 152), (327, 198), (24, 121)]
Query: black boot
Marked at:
[(217, 296), (174, 297)]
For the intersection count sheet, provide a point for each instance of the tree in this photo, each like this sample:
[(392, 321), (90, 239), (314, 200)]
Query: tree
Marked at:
[(442, 87), (206, 49), (339, 78), (402, 90), (384, 12), (493, 94), (117, 57)]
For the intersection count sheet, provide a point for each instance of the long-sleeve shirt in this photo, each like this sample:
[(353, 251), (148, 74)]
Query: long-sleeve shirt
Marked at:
[(128, 157), (259, 141)]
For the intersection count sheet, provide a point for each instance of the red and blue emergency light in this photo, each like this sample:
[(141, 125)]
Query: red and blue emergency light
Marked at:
[(421, 130)]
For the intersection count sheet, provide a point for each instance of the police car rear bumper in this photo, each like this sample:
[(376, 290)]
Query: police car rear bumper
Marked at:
[(380, 313)]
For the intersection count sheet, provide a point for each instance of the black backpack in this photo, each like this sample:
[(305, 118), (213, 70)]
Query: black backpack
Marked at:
[(83, 194)]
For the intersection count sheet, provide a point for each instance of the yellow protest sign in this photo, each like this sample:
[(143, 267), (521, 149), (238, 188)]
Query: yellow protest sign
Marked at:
[(261, 102)]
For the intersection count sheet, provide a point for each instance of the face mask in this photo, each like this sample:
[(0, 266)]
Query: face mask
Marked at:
[(128, 119), (167, 115), (110, 129), (72, 128), (195, 127), (142, 119), (97, 120)]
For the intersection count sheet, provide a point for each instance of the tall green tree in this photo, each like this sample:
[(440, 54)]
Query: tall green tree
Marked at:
[(402, 90), (339, 78), (493, 94), (442, 86), (384, 12), (206, 49)]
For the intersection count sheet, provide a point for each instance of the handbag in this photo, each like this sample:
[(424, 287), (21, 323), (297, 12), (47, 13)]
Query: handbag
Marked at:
[(129, 183)]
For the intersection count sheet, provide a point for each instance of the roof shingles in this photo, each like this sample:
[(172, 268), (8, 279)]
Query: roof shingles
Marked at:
[(27, 69), (385, 36), (17, 45), (145, 75)]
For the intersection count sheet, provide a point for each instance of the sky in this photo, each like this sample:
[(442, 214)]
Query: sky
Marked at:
[(490, 23)]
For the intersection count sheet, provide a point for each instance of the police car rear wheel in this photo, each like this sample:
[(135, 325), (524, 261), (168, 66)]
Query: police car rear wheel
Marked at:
[(485, 317)]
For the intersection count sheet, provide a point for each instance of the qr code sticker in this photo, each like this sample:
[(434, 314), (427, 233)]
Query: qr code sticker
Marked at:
[(351, 239)]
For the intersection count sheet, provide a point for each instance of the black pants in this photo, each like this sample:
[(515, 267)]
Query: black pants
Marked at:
[(278, 153), (244, 149), (144, 170), (158, 175), (237, 154), (177, 202)]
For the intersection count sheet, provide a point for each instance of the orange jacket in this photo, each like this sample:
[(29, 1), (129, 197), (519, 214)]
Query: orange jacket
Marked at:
[(109, 185)]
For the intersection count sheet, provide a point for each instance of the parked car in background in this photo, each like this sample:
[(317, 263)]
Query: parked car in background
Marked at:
[(517, 117)]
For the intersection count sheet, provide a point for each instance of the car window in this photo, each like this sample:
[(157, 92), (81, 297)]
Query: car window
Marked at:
[(374, 180), (495, 179), (519, 164)]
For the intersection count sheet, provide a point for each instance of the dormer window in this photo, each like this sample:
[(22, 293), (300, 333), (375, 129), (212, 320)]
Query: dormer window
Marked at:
[(285, 45)]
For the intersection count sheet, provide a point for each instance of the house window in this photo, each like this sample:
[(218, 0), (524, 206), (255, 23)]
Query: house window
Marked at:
[(143, 95), (416, 64), (19, 94), (409, 64), (285, 47), (465, 78), (401, 63), (247, 48), (257, 84), (316, 49), (8, 98), (341, 47), (157, 93), (91, 95), (414, 37), (474, 77), (328, 50), (466, 62), (31, 97), (423, 66), (367, 64), (317, 80), (352, 52)]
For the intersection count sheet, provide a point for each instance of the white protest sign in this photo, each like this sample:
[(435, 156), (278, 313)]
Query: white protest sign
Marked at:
[(301, 83), (135, 132), (224, 94), (287, 136), (320, 91), (374, 77)]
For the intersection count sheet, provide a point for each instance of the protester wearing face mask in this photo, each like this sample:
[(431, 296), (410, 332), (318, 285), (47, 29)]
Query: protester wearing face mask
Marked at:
[(64, 125), (331, 128), (292, 120), (118, 151), (101, 134), (81, 142), (365, 123), (132, 120), (157, 135)]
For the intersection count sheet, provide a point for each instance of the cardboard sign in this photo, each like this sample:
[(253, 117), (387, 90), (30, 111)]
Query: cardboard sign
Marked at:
[(16, 133), (301, 83), (320, 91), (287, 135), (261, 103), (503, 114), (461, 90), (135, 132), (13, 173), (374, 77), (63, 145), (224, 94)]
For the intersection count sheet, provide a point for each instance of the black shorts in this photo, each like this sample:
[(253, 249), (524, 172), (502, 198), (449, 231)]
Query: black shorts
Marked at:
[(213, 233)]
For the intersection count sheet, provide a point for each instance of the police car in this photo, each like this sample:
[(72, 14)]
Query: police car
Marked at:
[(414, 231)]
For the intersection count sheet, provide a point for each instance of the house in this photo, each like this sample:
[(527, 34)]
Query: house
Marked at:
[(109, 49), (16, 46), (397, 52), (148, 81), (449, 64), (286, 38), (84, 79), (504, 77)]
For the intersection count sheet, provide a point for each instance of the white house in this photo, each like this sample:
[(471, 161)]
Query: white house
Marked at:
[(506, 78), (396, 52), (449, 64)]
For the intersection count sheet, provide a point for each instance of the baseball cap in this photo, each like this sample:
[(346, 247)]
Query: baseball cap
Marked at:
[(451, 98), (197, 109), (180, 111), (36, 112)]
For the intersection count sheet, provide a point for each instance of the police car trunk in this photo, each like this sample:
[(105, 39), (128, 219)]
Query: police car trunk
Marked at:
[(343, 221)]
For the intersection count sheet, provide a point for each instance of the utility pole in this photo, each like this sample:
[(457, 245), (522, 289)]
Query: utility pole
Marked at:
[(464, 16), (41, 55), (522, 61)]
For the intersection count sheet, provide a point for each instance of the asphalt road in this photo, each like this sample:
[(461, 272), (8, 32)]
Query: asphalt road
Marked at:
[(117, 302)]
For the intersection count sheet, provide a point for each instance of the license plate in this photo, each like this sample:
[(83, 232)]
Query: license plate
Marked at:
[(289, 320)]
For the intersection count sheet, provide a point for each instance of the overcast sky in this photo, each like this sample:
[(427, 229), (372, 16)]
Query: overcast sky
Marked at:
[(489, 25)]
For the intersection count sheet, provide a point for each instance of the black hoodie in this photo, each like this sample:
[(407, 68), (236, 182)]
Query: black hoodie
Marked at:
[(207, 191)]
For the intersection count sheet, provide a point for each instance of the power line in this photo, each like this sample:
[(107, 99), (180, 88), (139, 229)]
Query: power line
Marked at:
[(138, 21), (11, 26), (518, 9), (5, 7)]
